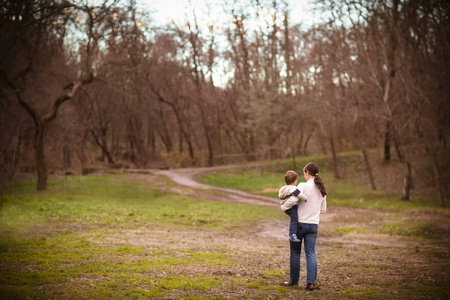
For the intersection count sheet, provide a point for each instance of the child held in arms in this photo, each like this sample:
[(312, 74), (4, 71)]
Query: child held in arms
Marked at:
[(289, 196)]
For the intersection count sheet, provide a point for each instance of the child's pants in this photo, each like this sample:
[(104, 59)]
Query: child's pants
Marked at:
[(293, 213)]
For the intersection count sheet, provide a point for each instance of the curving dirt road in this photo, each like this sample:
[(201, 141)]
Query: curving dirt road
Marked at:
[(187, 177), (333, 224)]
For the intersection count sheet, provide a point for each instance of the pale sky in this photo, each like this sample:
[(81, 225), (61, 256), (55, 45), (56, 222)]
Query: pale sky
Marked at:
[(166, 11)]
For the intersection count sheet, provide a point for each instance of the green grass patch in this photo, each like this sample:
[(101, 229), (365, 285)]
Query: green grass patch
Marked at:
[(434, 291), (272, 272), (411, 229), (252, 181), (348, 194), (266, 176), (185, 282), (348, 229), (357, 293), (103, 201), (203, 298), (251, 285)]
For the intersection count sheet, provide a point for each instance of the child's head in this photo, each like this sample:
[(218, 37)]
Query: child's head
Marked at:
[(290, 177)]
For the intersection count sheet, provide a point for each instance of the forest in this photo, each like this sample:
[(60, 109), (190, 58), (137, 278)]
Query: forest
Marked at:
[(86, 83)]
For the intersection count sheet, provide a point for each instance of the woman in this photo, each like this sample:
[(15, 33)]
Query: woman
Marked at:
[(308, 225)]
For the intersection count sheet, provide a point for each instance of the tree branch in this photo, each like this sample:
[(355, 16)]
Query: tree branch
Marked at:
[(27, 106), (72, 89)]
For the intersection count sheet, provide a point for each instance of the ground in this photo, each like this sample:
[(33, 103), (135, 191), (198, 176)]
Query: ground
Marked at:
[(130, 236), (353, 263)]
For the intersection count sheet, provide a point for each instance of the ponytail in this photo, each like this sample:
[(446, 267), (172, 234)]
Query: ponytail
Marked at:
[(313, 170), (319, 182)]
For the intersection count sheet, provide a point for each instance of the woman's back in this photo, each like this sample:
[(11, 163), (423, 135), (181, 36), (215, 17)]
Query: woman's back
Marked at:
[(309, 212)]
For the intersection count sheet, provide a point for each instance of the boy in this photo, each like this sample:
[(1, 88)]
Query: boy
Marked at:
[(289, 196)]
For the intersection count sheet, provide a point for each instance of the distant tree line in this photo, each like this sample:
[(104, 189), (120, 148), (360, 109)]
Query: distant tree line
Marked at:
[(90, 80)]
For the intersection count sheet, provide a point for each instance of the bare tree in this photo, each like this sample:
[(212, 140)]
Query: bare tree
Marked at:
[(195, 43), (35, 35)]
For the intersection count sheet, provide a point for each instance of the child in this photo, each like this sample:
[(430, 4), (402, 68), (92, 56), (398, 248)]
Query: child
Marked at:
[(289, 196)]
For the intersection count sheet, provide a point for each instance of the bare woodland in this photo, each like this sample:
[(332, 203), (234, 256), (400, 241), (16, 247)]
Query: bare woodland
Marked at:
[(84, 82)]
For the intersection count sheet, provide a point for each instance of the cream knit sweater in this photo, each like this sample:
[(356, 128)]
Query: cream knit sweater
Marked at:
[(309, 212)]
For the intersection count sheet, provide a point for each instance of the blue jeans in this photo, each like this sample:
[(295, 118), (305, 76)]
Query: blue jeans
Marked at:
[(308, 234), (293, 224)]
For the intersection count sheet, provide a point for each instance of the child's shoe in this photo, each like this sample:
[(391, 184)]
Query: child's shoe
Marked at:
[(293, 238)]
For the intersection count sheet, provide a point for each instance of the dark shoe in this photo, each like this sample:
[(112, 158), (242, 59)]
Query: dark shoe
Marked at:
[(289, 283), (312, 287), (293, 238)]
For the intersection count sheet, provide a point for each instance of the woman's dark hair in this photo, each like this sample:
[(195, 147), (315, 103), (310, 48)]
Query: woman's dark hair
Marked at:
[(313, 170)]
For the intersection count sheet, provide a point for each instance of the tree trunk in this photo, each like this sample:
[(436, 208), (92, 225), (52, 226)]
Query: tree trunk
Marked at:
[(407, 181), (335, 162), (398, 148), (363, 150), (322, 144), (15, 155), (151, 140), (41, 166), (294, 163), (210, 151), (387, 142), (67, 158), (153, 144), (442, 188), (163, 132), (369, 169), (104, 147), (305, 145), (191, 151)]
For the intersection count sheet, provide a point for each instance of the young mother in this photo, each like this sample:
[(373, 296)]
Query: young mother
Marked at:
[(308, 218)]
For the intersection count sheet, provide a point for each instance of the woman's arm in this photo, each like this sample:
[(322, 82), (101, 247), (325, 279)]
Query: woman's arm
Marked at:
[(323, 205)]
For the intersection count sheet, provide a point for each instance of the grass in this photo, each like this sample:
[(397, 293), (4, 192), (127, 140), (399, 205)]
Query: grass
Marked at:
[(93, 202), (114, 237), (412, 229), (252, 181), (49, 248), (266, 176), (351, 292), (436, 292), (268, 179), (349, 229)]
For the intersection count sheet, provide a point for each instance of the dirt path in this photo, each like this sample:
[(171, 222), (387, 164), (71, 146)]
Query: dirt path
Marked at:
[(338, 225), (187, 177)]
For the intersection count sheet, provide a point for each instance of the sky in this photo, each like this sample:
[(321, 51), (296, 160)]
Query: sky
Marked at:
[(166, 11)]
